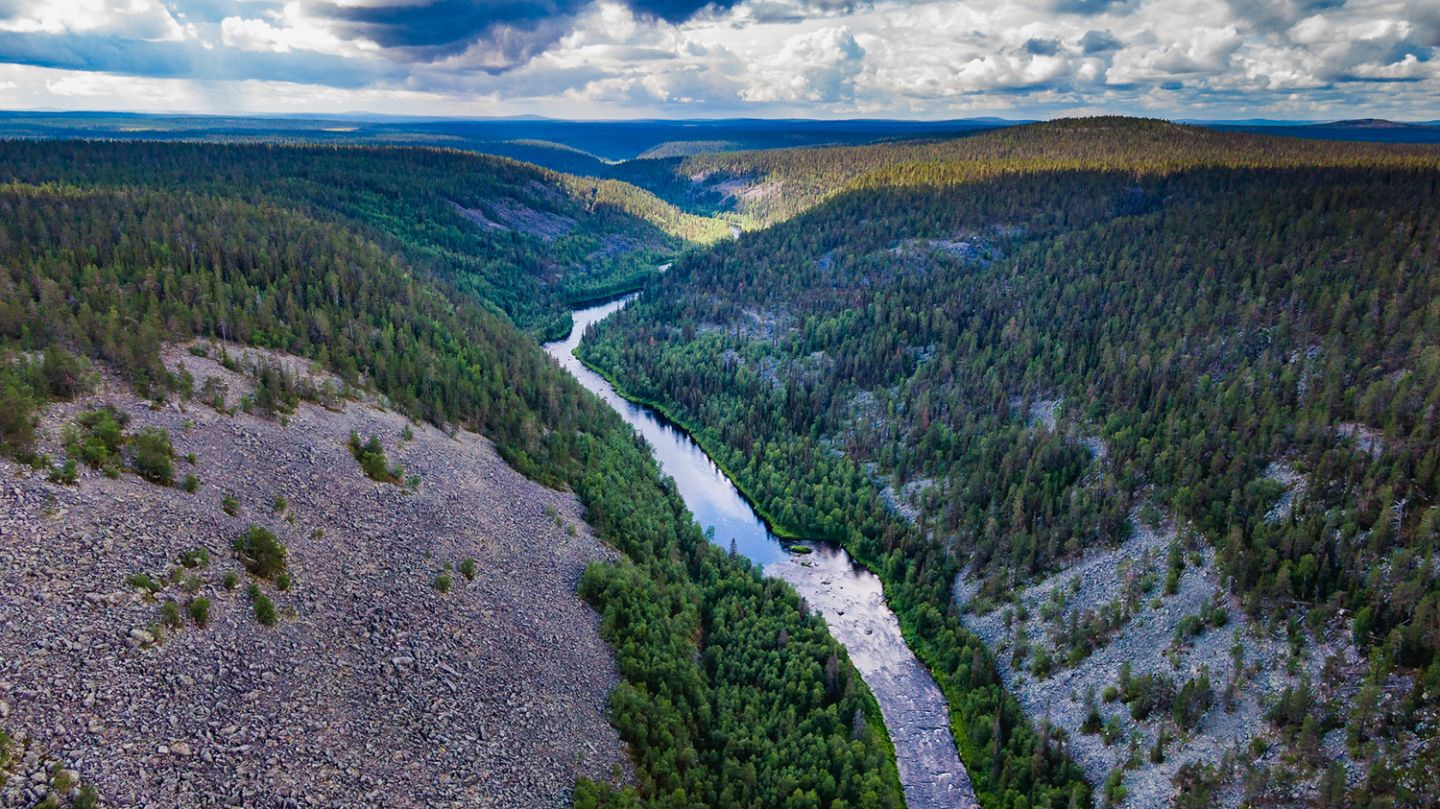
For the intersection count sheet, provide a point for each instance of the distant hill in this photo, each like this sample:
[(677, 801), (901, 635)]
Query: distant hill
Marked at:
[(764, 187), (1375, 130), (605, 140)]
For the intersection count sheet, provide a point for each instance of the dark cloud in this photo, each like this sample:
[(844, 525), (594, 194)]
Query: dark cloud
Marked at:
[(681, 10), (444, 27), (1043, 47), (506, 32), (1100, 42), (1276, 16), (1086, 7)]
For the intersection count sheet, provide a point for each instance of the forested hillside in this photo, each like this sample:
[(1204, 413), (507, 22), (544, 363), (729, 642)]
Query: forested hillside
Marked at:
[(733, 693), (524, 239), (1233, 333), (771, 186)]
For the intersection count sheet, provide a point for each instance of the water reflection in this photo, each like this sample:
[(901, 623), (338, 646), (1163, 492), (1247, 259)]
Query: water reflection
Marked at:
[(851, 598)]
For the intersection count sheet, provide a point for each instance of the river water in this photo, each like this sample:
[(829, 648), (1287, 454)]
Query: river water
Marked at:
[(849, 597)]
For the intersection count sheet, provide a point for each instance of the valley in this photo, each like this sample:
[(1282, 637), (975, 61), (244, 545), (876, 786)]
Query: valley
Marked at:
[(851, 599), (1089, 462)]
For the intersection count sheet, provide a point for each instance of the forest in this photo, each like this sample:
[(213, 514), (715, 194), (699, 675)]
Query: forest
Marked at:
[(1208, 305), (733, 693), (516, 237)]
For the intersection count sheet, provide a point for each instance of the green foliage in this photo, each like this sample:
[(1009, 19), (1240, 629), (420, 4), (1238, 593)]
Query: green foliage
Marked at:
[(371, 456), (468, 568), (66, 474), (264, 608), (87, 798), (442, 582), (231, 580), (1113, 790), (903, 329), (190, 483), (1195, 698), (230, 505), (195, 557), (25, 385), (199, 610), (261, 552), (96, 437), (170, 615), (153, 454), (143, 581), (497, 230)]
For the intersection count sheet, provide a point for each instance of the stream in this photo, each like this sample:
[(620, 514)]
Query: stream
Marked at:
[(850, 597)]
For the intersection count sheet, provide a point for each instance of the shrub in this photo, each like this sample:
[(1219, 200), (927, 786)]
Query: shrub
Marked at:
[(87, 799), (65, 474), (17, 420), (153, 454), (231, 580), (371, 456), (264, 608), (467, 568), (198, 557), (261, 552), (230, 505), (199, 610), (282, 582), (170, 615), (96, 437), (1113, 788), (190, 483), (1194, 699), (442, 582), (64, 374), (143, 581), (280, 504)]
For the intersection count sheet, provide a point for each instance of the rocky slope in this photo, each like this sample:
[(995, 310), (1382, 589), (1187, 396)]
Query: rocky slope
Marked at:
[(374, 688)]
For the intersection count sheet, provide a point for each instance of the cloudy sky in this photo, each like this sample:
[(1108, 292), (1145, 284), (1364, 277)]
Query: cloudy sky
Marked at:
[(1298, 59)]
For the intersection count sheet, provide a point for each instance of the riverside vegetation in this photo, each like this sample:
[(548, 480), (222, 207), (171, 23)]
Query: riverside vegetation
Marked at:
[(1206, 306)]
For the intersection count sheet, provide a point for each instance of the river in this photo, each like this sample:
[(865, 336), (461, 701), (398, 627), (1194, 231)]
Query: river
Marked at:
[(849, 597)]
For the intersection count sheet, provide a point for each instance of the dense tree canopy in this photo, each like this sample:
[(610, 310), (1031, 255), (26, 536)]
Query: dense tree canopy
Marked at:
[(1202, 322), (733, 693)]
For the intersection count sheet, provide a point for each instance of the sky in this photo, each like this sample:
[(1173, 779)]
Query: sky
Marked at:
[(931, 59)]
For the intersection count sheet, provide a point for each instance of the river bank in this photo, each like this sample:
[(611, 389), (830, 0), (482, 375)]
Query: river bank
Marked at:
[(848, 596)]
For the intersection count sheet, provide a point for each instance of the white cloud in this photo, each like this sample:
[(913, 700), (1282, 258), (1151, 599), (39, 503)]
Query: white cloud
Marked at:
[(819, 66), (800, 57), (146, 20), (293, 29)]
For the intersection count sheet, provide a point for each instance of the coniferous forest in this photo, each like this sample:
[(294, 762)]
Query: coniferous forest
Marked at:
[(1202, 314), (733, 693), (1192, 309)]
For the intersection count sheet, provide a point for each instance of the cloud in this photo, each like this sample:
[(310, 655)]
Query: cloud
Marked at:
[(1409, 68), (820, 66), (1042, 47), (1099, 42), (935, 58)]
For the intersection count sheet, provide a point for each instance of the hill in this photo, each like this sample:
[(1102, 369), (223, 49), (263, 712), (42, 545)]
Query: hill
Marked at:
[(525, 239), (1143, 408), (105, 265), (144, 644), (765, 187)]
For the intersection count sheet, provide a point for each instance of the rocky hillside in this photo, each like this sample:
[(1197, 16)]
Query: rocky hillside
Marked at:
[(135, 658)]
